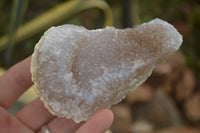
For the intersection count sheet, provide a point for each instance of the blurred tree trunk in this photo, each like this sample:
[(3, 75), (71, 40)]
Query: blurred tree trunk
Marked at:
[(126, 13)]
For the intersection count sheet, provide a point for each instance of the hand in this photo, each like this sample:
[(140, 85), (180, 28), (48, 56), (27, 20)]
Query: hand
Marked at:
[(34, 116)]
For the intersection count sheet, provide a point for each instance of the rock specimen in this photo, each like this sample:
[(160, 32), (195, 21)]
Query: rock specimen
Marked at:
[(78, 71)]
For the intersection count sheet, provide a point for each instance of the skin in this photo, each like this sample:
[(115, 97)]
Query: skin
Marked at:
[(34, 116)]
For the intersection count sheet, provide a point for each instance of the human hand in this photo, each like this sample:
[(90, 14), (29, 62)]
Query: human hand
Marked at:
[(34, 117)]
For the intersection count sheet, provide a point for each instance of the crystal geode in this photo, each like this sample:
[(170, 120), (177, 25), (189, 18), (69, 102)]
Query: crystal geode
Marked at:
[(78, 71)]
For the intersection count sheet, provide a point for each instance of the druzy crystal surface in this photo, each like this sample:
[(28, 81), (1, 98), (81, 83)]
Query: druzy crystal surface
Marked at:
[(78, 71)]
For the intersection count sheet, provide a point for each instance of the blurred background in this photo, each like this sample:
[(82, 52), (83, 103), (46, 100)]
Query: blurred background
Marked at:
[(168, 102)]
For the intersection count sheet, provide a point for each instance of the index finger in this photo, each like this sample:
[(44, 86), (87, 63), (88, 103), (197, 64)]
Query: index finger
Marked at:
[(14, 82)]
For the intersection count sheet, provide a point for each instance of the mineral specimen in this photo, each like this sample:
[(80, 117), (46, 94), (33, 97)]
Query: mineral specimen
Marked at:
[(78, 71)]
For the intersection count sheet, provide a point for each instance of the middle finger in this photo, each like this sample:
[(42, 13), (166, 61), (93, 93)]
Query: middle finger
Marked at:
[(34, 115)]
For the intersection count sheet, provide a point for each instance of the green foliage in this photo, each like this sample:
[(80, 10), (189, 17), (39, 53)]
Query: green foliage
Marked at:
[(19, 8)]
